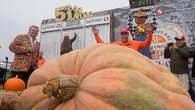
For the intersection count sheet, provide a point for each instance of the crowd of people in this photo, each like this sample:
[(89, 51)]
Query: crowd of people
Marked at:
[(28, 56)]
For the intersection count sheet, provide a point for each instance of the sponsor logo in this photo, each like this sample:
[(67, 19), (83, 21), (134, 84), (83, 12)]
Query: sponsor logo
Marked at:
[(73, 24), (159, 11), (106, 18)]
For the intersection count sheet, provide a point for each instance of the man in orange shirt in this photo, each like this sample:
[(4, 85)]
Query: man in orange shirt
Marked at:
[(125, 40)]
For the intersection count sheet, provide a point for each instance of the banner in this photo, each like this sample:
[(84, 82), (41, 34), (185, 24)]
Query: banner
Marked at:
[(50, 44), (82, 28), (104, 32), (79, 40), (54, 34), (120, 19), (177, 19), (174, 18)]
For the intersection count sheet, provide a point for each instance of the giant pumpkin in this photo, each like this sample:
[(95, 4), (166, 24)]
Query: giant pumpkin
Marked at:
[(104, 77), (8, 99)]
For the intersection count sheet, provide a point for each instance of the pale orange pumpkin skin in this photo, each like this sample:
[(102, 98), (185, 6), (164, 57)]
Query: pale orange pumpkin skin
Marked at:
[(8, 100), (14, 84), (110, 78)]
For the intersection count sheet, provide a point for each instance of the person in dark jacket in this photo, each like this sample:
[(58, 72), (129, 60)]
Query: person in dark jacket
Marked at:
[(193, 66), (191, 90), (179, 53), (66, 45), (192, 49)]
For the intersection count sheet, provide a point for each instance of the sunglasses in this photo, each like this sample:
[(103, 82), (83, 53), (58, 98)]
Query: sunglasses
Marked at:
[(179, 39), (124, 33)]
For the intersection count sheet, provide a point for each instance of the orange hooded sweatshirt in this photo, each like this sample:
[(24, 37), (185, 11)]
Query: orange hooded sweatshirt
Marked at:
[(136, 45)]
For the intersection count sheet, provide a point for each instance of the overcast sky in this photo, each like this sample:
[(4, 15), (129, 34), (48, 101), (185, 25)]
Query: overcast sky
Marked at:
[(17, 15)]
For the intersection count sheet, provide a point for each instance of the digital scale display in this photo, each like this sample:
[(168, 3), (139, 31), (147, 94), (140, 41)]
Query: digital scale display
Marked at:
[(140, 3)]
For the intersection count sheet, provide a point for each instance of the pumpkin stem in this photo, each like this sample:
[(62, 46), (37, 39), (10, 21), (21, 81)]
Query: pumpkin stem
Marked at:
[(63, 87)]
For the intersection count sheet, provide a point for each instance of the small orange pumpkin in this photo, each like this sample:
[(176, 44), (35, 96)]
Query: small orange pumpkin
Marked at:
[(14, 84), (104, 77)]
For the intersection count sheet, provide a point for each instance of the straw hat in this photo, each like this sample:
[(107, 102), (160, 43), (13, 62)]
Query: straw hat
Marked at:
[(140, 13)]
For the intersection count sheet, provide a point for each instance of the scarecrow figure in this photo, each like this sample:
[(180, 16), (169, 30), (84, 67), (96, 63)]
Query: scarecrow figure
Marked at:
[(139, 32)]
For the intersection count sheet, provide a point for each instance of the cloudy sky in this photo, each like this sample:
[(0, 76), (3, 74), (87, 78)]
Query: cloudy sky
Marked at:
[(17, 15)]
